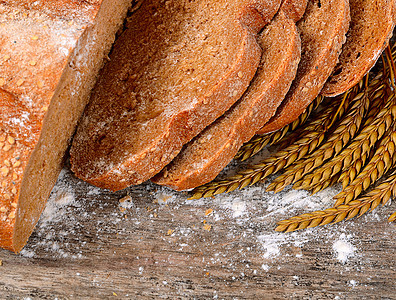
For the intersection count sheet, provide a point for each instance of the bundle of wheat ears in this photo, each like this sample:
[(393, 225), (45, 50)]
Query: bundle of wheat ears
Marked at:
[(350, 139)]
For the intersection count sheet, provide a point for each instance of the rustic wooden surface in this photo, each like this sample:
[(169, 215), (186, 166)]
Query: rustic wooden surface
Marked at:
[(87, 246)]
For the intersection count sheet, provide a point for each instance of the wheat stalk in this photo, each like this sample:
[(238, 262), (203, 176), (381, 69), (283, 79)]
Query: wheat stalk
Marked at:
[(314, 133), (392, 217), (378, 93), (345, 130), (381, 194), (379, 100), (379, 164), (349, 174), (329, 182), (358, 149), (354, 163), (258, 142)]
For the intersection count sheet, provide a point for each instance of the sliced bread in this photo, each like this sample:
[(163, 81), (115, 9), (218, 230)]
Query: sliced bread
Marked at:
[(294, 9), (176, 69), (372, 24), (322, 31), (207, 154), (50, 54)]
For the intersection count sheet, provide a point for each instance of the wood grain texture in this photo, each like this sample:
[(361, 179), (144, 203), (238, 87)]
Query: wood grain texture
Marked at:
[(87, 246)]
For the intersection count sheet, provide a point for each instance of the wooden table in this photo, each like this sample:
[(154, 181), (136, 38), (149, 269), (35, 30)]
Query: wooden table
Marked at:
[(88, 245)]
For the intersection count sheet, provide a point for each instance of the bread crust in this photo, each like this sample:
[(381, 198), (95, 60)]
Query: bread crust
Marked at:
[(45, 77), (206, 155), (97, 155), (322, 31), (372, 24), (78, 11), (13, 156)]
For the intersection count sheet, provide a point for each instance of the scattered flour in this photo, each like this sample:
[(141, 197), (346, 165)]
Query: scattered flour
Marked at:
[(251, 216), (343, 248), (57, 201), (238, 208), (353, 283), (62, 198), (27, 253), (126, 202), (273, 242), (254, 205), (165, 196)]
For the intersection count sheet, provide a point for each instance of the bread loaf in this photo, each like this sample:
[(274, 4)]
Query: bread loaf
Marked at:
[(50, 54), (322, 30), (177, 68), (372, 24), (207, 154)]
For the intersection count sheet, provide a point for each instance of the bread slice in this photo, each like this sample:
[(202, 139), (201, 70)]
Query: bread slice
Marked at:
[(294, 9), (322, 31), (50, 54), (207, 154), (372, 24), (176, 69)]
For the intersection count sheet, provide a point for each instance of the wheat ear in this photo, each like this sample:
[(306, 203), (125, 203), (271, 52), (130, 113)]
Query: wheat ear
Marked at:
[(358, 149), (379, 164), (381, 194), (344, 131), (258, 142), (314, 133)]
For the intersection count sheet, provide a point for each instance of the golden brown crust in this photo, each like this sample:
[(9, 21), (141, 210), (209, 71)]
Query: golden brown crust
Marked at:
[(322, 31), (80, 11), (13, 154), (372, 24), (30, 67), (43, 82), (156, 93)]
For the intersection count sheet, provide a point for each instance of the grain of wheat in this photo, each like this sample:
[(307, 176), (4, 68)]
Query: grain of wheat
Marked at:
[(392, 217), (381, 194), (379, 164), (314, 133), (359, 148), (344, 131), (258, 142)]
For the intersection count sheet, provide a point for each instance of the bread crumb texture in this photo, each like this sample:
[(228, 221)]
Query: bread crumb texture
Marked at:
[(36, 41), (207, 154), (372, 24), (178, 66), (322, 31)]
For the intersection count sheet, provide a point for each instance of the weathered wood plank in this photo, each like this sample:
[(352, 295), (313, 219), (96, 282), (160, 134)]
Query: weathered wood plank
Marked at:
[(88, 246)]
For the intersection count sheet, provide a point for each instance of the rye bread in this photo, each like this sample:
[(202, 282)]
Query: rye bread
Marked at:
[(208, 153), (50, 54), (371, 27), (322, 31), (176, 69), (294, 9)]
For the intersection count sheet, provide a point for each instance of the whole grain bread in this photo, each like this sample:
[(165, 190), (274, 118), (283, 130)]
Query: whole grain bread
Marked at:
[(177, 68), (372, 24), (50, 54), (294, 9), (208, 153), (322, 31)]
